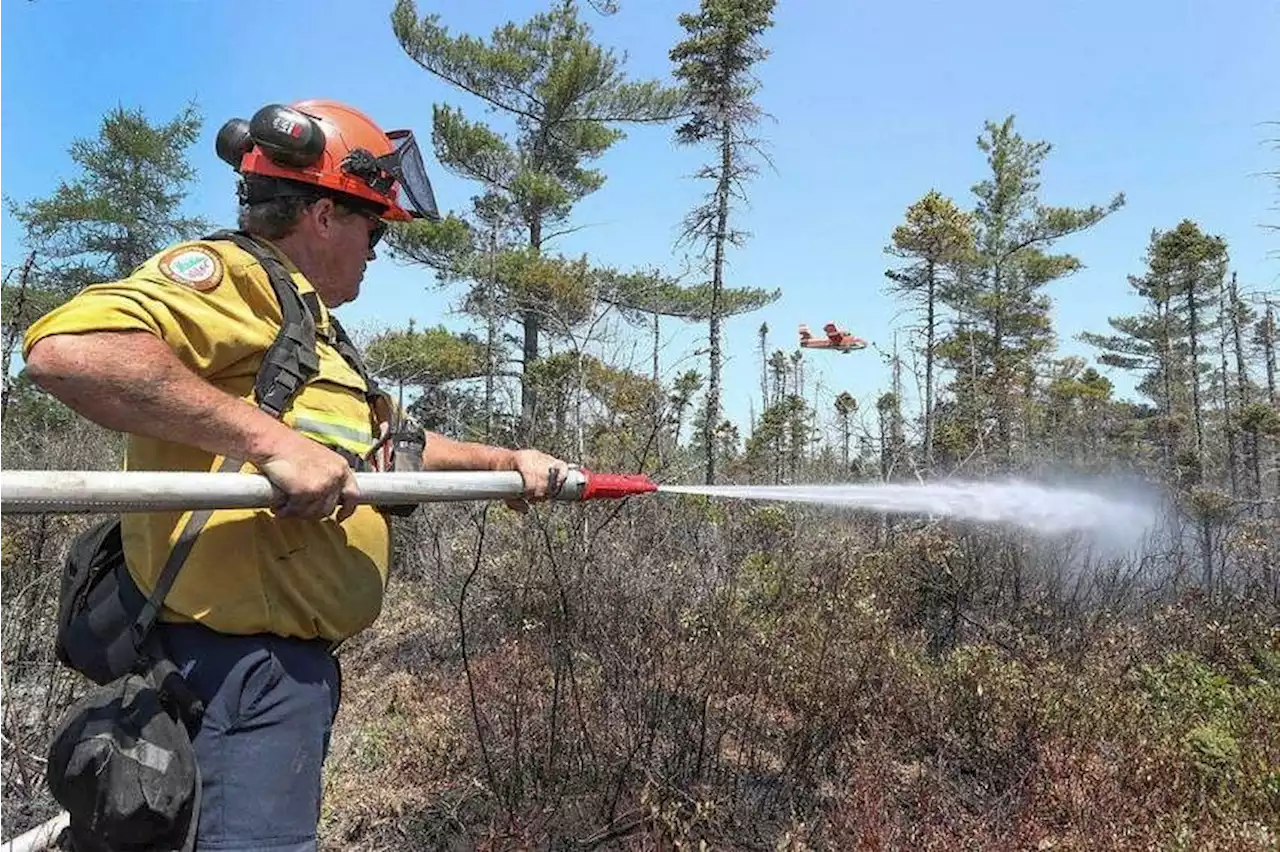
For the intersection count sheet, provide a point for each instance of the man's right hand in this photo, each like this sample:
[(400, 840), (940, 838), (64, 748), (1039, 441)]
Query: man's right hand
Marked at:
[(313, 479)]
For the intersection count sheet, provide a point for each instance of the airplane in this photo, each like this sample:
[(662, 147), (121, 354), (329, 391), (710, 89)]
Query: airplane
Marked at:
[(836, 338)]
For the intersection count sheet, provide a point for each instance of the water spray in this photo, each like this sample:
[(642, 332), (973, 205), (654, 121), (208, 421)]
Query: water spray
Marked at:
[(1042, 509)]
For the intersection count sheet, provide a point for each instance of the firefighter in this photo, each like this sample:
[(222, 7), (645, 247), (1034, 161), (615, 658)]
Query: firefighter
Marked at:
[(191, 356)]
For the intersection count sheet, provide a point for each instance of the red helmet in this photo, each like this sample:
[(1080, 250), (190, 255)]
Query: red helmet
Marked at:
[(334, 147)]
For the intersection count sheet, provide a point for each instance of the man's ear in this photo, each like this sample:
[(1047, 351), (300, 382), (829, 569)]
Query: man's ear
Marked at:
[(324, 214)]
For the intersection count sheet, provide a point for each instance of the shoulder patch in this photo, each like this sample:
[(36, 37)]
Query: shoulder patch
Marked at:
[(196, 267)]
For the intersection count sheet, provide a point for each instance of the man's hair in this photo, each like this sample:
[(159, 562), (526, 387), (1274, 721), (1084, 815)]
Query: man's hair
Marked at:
[(274, 218)]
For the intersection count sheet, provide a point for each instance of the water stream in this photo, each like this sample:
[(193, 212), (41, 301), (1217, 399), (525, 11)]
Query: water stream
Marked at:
[(1042, 509)]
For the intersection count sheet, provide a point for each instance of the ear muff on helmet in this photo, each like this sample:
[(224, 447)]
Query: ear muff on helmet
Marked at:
[(287, 136), (330, 147)]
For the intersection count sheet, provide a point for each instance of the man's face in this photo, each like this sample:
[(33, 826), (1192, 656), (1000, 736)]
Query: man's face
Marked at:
[(344, 243)]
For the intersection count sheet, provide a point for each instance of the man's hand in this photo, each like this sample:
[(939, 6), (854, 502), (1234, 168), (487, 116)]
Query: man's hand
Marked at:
[(537, 469), (314, 479)]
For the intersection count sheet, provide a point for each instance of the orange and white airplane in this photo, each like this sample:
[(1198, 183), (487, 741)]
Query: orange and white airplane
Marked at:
[(837, 338)]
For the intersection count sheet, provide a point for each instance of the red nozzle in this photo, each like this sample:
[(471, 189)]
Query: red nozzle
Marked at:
[(612, 486)]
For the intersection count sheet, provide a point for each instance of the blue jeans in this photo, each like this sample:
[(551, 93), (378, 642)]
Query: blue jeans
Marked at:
[(269, 709)]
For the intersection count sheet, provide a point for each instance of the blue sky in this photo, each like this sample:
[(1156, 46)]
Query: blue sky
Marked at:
[(872, 105)]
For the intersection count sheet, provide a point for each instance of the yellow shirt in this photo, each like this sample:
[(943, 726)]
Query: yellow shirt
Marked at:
[(248, 571)]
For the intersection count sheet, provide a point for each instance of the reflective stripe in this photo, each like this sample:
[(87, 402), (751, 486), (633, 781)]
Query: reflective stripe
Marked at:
[(336, 431)]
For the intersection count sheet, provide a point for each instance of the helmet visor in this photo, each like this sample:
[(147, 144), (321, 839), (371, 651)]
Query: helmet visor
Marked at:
[(405, 164)]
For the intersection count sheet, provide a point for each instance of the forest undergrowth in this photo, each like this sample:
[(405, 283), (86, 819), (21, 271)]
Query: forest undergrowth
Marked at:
[(757, 677)]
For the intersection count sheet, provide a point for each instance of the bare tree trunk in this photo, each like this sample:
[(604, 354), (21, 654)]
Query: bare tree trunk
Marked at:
[(1242, 367), (491, 331), (929, 332), (845, 430), (717, 288), (13, 328), (1206, 557), (1269, 352), (532, 326), (899, 436), (764, 367), (1242, 377), (1267, 332), (1228, 419), (1196, 414), (884, 445), (657, 342)]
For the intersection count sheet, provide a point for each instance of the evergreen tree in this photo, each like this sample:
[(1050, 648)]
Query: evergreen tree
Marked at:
[(715, 64), (1003, 305), (431, 357), (654, 294), (123, 208), (938, 238), (1192, 265), (22, 304), (1239, 315), (892, 439), (688, 384), (846, 405), (763, 332), (1152, 342), (566, 96), (1076, 414), (1185, 271)]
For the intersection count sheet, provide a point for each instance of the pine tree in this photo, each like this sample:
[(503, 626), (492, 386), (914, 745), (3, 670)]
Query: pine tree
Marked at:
[(846, 405), (715, 64), (1003, 303), (892, 440), (124, 207), (1151, 342), (652, 293), (566, 95), (22, 305), (938, 237), (688, 384), (1192, 264), (433, 356), (1238, 317), (763, 332), (1185, 270)]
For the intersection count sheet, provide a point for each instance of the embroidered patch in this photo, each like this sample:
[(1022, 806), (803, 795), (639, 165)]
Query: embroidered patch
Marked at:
[(193, 266)]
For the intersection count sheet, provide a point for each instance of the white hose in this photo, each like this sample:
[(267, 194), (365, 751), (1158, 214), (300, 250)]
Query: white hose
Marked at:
[(36, 491), (39, 838)]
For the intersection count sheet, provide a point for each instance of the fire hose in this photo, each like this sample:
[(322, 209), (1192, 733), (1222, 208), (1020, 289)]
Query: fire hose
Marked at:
[(61, 491), (38, 491)]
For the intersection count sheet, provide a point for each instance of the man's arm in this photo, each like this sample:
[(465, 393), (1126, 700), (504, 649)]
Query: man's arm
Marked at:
[(534, 467), (132, 382)]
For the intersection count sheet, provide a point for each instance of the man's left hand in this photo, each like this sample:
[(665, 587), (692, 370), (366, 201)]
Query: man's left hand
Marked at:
[(536, 469)]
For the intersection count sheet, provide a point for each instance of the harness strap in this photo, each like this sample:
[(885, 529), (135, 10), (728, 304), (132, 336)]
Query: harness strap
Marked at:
[(291, 361)]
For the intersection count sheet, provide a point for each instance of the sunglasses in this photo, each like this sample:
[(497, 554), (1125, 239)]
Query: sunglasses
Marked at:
[(379, 226)]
